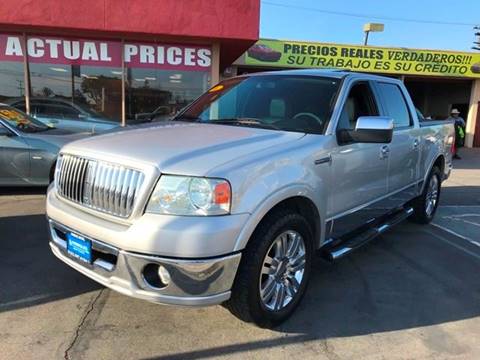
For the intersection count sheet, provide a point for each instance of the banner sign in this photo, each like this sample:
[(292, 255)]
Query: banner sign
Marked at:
[(276, 53), (51, 50)]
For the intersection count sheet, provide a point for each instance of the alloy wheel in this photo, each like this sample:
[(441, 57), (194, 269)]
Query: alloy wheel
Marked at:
[(432, 195), (282, 271)]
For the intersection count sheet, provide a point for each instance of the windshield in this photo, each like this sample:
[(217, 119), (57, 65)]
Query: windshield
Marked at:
[(21, 121), (281, 102)]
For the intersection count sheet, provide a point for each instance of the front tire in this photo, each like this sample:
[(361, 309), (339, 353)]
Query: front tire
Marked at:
[(274, 271), (425, 206)]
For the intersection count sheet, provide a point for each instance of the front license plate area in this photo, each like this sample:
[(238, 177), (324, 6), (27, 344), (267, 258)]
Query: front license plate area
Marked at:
[(79, 247)]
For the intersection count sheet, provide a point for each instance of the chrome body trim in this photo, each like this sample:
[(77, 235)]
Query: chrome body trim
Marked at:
[(374, 123), (352, 220), (351, 211), (347, 246), (98, 185), (194, 282)]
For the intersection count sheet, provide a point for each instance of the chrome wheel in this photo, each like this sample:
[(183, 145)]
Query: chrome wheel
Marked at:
[(432, 195), (282, 271)]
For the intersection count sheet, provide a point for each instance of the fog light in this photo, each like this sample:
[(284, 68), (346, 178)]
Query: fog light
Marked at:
[(164, 275), (156, 276)]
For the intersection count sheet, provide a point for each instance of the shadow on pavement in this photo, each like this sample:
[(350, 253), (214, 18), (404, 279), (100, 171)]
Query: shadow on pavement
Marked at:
[(470, 159), (23, 190), (460, 195), (29, 273), (403, 280)]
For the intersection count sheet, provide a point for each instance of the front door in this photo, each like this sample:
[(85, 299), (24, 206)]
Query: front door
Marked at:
[(359, 170), (14, 158)]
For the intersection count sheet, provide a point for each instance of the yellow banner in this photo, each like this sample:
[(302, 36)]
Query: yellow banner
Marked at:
[(276, 53)]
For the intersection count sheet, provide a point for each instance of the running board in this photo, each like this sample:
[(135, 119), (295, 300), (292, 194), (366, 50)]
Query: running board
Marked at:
[(347, 246)]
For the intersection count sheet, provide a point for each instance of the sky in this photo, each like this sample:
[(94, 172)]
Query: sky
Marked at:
[(318, 20)]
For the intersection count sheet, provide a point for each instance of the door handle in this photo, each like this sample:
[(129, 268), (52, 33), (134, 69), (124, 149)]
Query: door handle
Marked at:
[(384, 152), (324, 160), (416, 143)]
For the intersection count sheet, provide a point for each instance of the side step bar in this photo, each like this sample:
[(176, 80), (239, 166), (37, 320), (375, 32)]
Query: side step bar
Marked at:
[(347, 246)]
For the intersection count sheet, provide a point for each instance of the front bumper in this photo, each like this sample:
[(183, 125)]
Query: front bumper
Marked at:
[(193, 282), (169, 236)]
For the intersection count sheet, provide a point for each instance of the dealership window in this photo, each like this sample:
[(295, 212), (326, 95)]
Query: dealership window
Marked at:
[(159, 94), (75, 79), (12, 82), (161, 79), (81, 79), (75, 92)]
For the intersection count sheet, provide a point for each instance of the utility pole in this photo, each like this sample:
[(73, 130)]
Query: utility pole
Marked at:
[(365, 39)]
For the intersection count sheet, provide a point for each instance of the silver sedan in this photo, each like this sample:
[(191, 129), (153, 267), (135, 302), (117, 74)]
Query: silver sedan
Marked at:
[(28, 148)]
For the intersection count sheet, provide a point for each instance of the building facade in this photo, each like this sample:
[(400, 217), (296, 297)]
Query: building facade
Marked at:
[(118, 60)]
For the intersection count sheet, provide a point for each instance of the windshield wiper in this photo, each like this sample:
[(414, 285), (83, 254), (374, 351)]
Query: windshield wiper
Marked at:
[(244, 122)]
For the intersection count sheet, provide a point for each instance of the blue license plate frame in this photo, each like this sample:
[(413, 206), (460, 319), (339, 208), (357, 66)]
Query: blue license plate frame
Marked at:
[(79, 247)]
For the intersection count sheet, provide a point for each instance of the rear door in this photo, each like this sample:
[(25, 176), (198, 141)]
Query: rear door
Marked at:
[(404, 149), (359, 170)]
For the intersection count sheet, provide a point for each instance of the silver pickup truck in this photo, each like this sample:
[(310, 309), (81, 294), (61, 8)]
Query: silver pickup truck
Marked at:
[(229, 202)]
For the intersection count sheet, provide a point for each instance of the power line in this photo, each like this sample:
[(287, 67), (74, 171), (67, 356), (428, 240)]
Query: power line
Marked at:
[(365, 16)]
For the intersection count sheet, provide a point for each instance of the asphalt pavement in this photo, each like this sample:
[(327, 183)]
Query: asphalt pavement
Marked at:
[(411, 293)]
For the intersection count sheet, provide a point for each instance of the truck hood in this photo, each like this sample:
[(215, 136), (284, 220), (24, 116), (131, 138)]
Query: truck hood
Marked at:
[(181, 148)]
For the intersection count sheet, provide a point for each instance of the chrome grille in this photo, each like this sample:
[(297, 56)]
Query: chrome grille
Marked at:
[(102, 186)]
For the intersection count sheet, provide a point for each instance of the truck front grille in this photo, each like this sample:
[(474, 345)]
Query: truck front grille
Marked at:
[(106, 187)]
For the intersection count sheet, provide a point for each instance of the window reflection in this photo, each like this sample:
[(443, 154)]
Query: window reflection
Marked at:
[(159, 94), (82, 90), (75, 92), (12, 81)]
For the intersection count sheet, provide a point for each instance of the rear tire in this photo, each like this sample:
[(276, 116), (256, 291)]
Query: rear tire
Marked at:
[(425, 206), (274, 270)]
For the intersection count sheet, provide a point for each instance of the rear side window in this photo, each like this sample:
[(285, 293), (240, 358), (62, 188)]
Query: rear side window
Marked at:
[(56, 110), (395, 104)]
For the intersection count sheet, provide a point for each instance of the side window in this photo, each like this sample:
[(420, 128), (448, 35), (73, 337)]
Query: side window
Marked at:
[(57, 111), (395, 104), (360, 102)]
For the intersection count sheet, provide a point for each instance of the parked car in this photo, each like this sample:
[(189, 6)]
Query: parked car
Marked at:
[(66, 115), (264, 53), (229, 202), (28, 148)]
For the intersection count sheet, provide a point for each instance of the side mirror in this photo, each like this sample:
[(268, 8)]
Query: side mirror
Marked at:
[(369, 129)]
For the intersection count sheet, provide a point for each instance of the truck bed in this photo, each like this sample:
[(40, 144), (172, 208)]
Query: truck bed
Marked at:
[(424, 123)]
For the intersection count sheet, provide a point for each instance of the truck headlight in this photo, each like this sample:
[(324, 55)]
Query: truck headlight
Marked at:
[(186, 195)]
